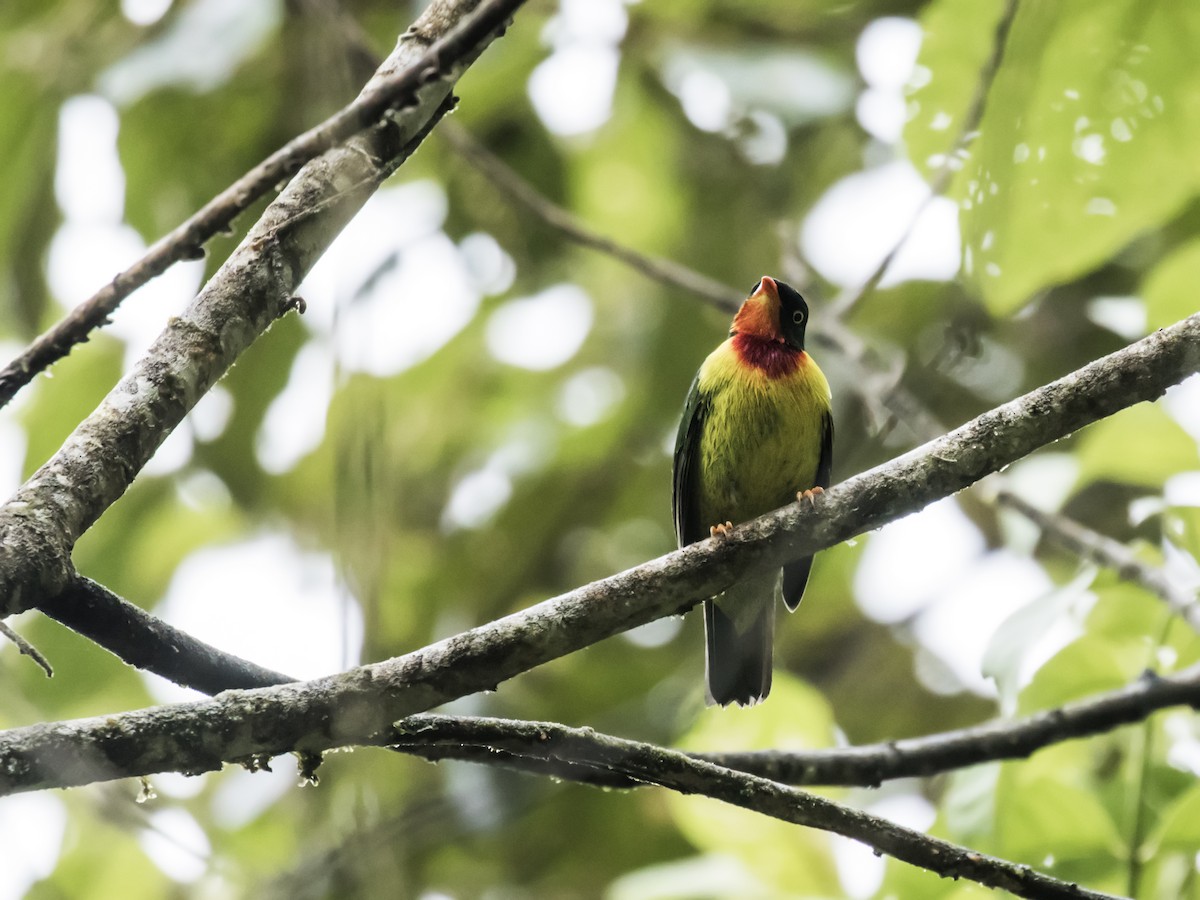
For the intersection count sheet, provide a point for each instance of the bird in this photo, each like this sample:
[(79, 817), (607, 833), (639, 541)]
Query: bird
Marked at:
[(756, 434)]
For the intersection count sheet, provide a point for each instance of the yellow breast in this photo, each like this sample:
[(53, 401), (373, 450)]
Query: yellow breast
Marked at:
[(762, 437)]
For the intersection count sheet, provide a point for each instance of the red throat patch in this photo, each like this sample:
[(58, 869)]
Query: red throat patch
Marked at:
[(774, 358)]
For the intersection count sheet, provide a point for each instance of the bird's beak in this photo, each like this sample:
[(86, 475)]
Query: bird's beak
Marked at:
[(759, 314), (767, 285)]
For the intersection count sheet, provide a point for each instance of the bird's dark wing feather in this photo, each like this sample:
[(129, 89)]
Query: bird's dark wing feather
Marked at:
[(795, 574), (688, 529), (825, 463)]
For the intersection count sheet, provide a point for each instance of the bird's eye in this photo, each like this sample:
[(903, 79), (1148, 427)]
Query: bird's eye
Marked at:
[(798, 317)]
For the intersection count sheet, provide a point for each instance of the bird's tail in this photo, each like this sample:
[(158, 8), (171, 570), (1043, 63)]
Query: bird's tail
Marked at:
[(739, 628)]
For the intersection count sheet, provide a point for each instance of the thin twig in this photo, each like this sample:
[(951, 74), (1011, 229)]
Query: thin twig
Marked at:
[(845, 303), (1101, 549), (1142, 758), (664, 271), (395, 91), (27, 649)]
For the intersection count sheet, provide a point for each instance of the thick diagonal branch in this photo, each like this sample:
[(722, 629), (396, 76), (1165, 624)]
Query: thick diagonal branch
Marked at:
[(393, 87), (149, 643), (142, 640), (352, 707), (40, 524)]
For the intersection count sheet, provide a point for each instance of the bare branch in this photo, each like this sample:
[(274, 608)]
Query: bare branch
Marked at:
[(652, 765), (394, 89), (551, 749), (149, 643), (95, 465), (1101, 549), (142, 640), (664, 271), (27, 649), (529, 746), (351, 707)]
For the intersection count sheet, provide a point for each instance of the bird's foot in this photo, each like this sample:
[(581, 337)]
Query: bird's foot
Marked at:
[(721, 529), (809, 495)]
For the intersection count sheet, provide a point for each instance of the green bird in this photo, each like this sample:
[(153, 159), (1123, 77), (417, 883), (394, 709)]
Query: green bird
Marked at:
[(756, 434)]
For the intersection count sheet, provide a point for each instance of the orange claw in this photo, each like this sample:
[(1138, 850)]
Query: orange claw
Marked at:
[(810, 495), (720, 530)]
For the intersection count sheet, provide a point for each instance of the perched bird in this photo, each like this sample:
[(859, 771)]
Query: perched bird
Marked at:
[(756, 434)]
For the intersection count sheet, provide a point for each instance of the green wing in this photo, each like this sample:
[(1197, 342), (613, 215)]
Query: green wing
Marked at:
[(684, 494), (795, 574)]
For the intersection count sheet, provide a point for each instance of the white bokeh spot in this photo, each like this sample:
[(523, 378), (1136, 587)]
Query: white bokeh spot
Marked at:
[(266, 600), (543, 331), (858, 221)]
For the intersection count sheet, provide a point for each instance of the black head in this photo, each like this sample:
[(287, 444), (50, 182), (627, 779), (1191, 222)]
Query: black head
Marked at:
[(793, 315), (774, 311)]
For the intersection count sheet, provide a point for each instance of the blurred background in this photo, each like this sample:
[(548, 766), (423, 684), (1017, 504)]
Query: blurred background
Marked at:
[(477, 413)]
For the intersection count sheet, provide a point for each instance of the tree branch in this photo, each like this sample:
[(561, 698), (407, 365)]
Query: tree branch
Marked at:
[(142, 640), (533, 746), (551, 749), (1101, 549), (147, 642), (40, 524), (394, 89), (351, 707), (665, 271), (652, 765), (25, 648)]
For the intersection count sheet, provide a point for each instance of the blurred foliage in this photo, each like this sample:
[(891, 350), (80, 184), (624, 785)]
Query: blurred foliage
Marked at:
[(1079, 191), (1087, 94)]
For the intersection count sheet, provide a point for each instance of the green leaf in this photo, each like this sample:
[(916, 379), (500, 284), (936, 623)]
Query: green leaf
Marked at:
[(956, 42), (904, 881), (698, 876), (1179, 824), (27, 139), (1141, 445), (1087, 666), (1126, 613), (1170, 288), (1181, 524), (1052, 812), (1060, 177), (796, 717), (968, 807), (1046, 815)]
